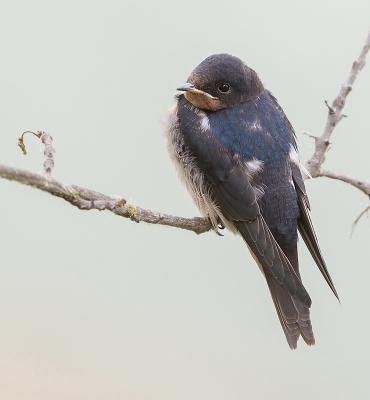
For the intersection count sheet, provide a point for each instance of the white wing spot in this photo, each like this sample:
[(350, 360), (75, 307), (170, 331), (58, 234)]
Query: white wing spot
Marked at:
[(254, 166), (294, 158), (293, 155)]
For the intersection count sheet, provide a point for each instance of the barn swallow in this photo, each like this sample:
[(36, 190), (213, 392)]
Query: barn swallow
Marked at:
[(236, 153)]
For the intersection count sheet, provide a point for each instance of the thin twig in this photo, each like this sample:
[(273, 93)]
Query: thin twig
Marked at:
[(49, 151), (366, 211), (309, 135)]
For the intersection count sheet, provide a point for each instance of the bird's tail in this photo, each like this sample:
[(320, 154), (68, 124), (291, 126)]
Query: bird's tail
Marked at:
[(290, 298), (293, 315)]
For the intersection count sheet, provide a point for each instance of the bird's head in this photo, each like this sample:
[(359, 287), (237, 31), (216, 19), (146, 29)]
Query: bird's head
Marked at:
[(221, 81)]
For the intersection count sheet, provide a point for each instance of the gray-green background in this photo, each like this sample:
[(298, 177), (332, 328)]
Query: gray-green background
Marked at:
[(93, 306)]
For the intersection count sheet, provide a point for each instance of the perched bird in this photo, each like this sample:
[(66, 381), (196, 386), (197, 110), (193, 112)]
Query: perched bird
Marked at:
[(235, 151)]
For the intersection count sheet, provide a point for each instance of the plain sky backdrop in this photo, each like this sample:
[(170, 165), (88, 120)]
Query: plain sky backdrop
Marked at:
[(93, 306)]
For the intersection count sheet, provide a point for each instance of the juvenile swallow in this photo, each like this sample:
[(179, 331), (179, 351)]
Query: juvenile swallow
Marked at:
[(236, 152)]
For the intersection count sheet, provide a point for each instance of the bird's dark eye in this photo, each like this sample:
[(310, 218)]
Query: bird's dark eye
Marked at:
[(224, 88)]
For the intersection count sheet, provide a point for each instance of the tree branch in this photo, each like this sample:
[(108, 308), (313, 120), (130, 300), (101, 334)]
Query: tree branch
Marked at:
[(364, 186), (335, 115), (86, 199)]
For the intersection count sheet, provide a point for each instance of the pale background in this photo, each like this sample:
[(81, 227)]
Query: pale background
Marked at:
[(93, 306)]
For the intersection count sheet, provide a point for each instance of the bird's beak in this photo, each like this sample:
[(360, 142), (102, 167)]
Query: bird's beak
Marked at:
[(189, 87)]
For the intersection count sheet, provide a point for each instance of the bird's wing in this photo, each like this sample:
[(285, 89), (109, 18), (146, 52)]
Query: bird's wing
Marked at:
[(306, 228), (231, 189), (271, 258)]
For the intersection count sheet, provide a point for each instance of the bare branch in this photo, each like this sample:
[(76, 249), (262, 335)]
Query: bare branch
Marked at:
[(364, 186), (49, 151), (335, 115), (86, 199)]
